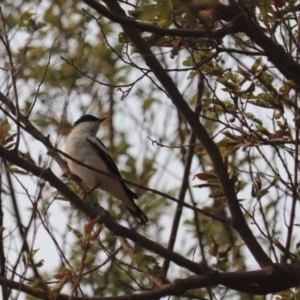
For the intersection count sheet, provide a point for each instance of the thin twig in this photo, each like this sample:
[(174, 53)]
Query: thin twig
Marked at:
[(43, 78), (6, 43)]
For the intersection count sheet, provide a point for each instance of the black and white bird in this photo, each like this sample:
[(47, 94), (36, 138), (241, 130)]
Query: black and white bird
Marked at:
[(83, 145)]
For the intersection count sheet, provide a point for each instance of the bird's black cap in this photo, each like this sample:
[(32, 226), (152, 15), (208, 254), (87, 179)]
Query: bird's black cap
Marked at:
[(88, 118)]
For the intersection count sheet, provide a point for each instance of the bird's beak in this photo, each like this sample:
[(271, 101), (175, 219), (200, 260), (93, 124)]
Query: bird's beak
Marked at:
[(102, 119)]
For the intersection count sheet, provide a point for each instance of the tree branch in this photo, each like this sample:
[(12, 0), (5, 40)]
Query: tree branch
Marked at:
[(54, 153), (226, 183), (124, 20), (5, 290), (241, 19), (23, 233), (96, 211), (185, 179), (269, 280)]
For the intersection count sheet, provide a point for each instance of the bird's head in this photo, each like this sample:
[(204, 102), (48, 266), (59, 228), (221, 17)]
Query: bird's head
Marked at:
[(89, 124)]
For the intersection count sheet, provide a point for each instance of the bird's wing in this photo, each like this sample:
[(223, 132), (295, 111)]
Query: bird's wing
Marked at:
[(102, 151)]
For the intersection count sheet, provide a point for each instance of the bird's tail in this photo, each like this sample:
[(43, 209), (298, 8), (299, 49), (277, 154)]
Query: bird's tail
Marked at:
[(138, 214)]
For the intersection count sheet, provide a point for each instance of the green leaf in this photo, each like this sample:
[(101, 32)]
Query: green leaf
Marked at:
[(4, 131), (263, 130), (18, 171), (253, 118), (144, 260), (216, 194), (261, 103), (77, 233), (256, 64)]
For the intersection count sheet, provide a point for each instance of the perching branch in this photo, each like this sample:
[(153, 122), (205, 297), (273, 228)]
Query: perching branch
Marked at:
[(93, 212), (54, 153)]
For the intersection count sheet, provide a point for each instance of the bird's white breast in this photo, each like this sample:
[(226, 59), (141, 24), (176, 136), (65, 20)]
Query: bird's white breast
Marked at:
[(78, 148)]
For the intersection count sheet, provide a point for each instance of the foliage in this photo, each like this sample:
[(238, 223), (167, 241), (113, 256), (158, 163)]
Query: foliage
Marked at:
[(202, 99)]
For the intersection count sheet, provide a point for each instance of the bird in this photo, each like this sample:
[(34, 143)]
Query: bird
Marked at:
[(83, 145)]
